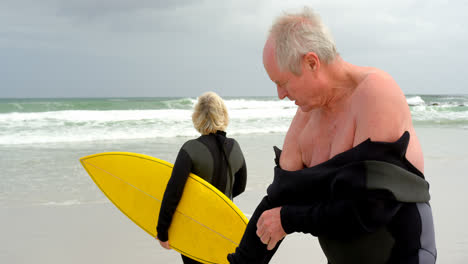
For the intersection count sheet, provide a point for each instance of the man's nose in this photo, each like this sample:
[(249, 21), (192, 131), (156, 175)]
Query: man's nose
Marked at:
[(281, 92)]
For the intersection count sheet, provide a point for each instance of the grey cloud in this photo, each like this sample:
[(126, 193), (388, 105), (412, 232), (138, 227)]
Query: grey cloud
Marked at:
[(95, 9), (184, 47)]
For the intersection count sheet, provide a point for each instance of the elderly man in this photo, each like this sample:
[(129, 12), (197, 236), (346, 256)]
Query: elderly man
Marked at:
[(351, 168)]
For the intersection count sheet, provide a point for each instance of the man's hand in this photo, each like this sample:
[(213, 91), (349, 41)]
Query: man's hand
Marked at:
[(164, 244), (269, 228)]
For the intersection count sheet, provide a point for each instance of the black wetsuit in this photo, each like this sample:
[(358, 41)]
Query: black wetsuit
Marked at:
[(367, 205), (206, 158)]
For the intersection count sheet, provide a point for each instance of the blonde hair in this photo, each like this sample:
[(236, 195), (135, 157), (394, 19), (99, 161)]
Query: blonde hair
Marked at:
[(296, 34), (210, 114)]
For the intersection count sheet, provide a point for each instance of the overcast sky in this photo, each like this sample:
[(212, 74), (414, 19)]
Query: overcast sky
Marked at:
[(139, 48)]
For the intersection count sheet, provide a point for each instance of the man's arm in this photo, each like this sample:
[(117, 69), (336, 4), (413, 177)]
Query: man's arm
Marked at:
[(269, 228), (340, 218), (382, 114), (337, 218), (291, 157), (380, 109)]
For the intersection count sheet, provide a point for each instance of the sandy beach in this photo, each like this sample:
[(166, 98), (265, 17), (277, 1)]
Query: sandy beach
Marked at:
[(86, 228)]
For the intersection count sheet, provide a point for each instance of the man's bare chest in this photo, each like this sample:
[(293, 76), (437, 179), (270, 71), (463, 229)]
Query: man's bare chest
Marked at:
[(320, 141)]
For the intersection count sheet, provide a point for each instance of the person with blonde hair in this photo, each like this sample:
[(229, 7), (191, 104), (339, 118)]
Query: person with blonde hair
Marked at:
[(212, 156), (351, 168)]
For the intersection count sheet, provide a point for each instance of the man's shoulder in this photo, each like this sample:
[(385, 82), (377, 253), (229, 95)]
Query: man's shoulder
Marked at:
[(377, 86), (375, 79), (380, 109)]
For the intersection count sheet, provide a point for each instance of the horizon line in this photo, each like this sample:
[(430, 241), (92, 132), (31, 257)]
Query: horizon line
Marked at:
[(173, 96)]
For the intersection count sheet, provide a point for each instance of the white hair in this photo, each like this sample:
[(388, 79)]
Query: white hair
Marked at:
[(296, 34), (210, 114)]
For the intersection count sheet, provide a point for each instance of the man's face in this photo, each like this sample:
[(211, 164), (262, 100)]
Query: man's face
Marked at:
[(288, 85)]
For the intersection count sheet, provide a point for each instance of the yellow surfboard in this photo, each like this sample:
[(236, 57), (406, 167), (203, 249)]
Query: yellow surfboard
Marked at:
[(206, 225)]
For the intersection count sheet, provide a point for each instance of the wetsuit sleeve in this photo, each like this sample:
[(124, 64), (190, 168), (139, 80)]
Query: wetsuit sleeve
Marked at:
[(240, 180), (173, 193), (339, 218)]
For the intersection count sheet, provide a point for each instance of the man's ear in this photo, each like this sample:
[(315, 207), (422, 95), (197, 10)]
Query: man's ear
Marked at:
[(311, 61)]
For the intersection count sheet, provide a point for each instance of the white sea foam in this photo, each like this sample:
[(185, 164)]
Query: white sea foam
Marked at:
[(256, 104), (416, 100), (247, 116), (438, 114), (100, 116)]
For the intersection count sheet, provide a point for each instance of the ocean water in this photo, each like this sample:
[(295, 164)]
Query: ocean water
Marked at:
[(83, 120), (37, 121)]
